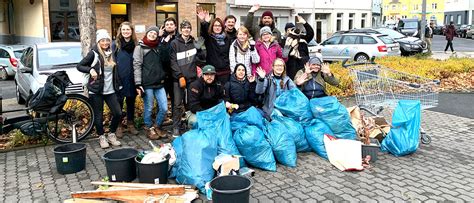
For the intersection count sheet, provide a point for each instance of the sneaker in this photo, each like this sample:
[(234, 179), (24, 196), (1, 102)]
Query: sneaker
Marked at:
[(454, 52), (151, 133), (176, 132), (445, 52), (104, 144), (119, 132), (113, 139)]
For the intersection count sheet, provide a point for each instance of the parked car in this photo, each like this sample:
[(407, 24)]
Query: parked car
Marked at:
[(358, 47), (409, 27), (438, 30), (315, 49), (408, 45), (463, 30), (9, 56), (73, 33), (41, 60), (470, 33)]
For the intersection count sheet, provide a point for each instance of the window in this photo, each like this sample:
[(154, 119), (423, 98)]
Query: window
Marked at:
[(63, 19), (415, 7), (211, 8), (351, 20), (166, 10), (350, 39), (451, 19), (64, 3), (459, 20), (4, 54), (368, 40), (119, 14), (27, 58), (387, 40), (339, 22), (434, 6), (333, 40), (49, 57), (362, 20)]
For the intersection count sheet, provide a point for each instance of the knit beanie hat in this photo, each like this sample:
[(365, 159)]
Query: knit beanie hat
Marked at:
[(267, 13), (289, 25), (102, 34), (314, 60), (153, 28), (265, 29)]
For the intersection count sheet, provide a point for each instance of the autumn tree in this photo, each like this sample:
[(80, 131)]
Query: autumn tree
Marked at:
[(87, 23)]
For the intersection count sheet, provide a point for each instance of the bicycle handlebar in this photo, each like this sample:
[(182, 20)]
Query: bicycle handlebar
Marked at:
[(372, 61)]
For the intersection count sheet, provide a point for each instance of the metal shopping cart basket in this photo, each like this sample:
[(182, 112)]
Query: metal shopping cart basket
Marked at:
[(378, 89)]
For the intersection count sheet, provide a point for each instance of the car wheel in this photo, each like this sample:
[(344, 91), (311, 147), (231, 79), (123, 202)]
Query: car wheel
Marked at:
[(361, 57), (3, 73), (19, 99)]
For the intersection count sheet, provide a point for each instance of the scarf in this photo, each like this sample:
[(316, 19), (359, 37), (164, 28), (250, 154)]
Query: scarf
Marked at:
[(151, 44), (127, 46), (219, 38), (242, 48), (292, 44)]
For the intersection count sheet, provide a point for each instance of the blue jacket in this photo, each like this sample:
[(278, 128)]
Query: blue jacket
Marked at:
[(267, 86), (124, 62)]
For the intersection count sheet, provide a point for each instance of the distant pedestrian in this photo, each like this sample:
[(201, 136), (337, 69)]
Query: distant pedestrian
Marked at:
[(429, 36), (450, 33)]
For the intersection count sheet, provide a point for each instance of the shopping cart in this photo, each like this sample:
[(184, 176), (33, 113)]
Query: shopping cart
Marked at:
[(378, 89)]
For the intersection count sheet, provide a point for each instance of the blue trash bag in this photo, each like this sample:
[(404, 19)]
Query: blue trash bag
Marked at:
[(249, 117), (296, 130), (335, 115), (315, 136), (215, 122), (282, 143), (178, 148), (257, 152), (195, 164), (294, 104), (404, 136)]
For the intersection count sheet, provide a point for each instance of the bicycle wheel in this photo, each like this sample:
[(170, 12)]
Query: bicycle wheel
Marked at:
[(77, 110)]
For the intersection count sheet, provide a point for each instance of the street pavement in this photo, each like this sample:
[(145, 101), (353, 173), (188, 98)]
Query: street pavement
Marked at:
[(440, 171)]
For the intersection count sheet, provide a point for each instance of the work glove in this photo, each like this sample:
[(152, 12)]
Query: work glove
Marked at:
[(182, 82)]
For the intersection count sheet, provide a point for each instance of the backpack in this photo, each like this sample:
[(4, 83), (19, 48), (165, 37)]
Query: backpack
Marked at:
[(51, 97)]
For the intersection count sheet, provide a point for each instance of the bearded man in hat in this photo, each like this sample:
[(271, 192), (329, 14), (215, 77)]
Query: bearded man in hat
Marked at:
[(266, 20), (313, 78)]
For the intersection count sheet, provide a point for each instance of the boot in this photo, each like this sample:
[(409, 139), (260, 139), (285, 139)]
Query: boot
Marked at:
[(151, 134), (160, 133), (119, 132), (131, 128)]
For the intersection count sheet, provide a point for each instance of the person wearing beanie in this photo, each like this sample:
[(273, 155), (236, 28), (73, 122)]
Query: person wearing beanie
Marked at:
[(203, 93), (217, 45), (123, 48), (295, 47), (268, 50), (185, 55), (239, 92), (103, 85), (150, 77), (266, 20), (313, 78), (288, 26)]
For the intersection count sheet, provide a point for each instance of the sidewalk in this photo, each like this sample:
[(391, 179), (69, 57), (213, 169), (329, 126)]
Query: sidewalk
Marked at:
[(440, 55), (440, 171)]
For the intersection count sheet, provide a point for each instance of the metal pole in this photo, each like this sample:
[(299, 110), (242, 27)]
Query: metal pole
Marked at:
[(423, 20)]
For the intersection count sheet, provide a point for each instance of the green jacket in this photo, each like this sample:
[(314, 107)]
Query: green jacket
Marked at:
[(320, 79)]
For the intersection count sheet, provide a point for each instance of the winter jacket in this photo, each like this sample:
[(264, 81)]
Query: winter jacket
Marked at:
[(124, 67), (450, 32), (268, 87), (236, 57), (166, 49), (217, 55), (294, 64), (267, 55), (320, 78), (183, 57), (148, 66), (202, 96), (232, 35), (255, 29), (97, 86), (239, 92)]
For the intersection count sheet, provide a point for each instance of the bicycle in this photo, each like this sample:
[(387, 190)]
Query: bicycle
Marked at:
[(71, 112)]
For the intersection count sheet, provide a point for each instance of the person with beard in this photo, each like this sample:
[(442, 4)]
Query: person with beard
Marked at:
[(242, 50), (239, 92), (122, 48), (150, 80), (203, 93), (217, 45), (169, 34), (314, 77), (103, 85), (296, 46), (266, 20), (184, 57), (230, 31)]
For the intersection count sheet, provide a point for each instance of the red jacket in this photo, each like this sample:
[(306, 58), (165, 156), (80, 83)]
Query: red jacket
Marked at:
[(450, 32)]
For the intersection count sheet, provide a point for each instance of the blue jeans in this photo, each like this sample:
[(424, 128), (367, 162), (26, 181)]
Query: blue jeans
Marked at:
[(160, 96)]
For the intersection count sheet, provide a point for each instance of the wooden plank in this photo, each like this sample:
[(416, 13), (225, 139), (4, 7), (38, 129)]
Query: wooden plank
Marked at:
[(139, 185), (172, 190), (79, 200)]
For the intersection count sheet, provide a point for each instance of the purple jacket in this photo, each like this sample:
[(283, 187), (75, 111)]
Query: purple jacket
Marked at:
[(267, 55)]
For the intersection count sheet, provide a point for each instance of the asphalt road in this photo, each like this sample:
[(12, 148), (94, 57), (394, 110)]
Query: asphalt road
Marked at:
[(7, 88), (459, 104), (459, 44)]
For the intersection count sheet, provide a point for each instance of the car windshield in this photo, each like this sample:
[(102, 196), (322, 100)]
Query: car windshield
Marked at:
[(50, 58), (387, 40), (410, 25), (391, 33), (18, 53)]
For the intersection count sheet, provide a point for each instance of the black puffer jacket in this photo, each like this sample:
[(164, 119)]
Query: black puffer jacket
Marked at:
[(97, 86), (202, 96), (240, 92), (148, 66)]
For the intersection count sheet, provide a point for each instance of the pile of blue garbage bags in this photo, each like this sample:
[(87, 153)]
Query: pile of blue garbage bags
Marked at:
[(297, 125)]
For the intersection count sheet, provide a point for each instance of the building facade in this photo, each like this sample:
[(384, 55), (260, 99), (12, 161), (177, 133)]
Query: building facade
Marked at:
[(33, 21), (400, 9), (459, 11)]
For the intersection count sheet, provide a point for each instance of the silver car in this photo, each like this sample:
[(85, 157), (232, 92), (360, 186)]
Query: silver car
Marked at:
[(359, 47), (9, 56), (41, 60)]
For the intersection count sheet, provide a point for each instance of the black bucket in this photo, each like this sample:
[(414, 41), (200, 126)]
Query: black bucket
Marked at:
[(231, 189), (153, 173), (120, 164), (70, 158)]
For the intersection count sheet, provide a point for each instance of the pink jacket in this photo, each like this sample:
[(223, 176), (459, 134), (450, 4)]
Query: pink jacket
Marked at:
[(267, 55)]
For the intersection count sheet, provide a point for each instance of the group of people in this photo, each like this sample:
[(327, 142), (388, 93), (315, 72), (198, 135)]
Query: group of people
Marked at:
[(246, 66)]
